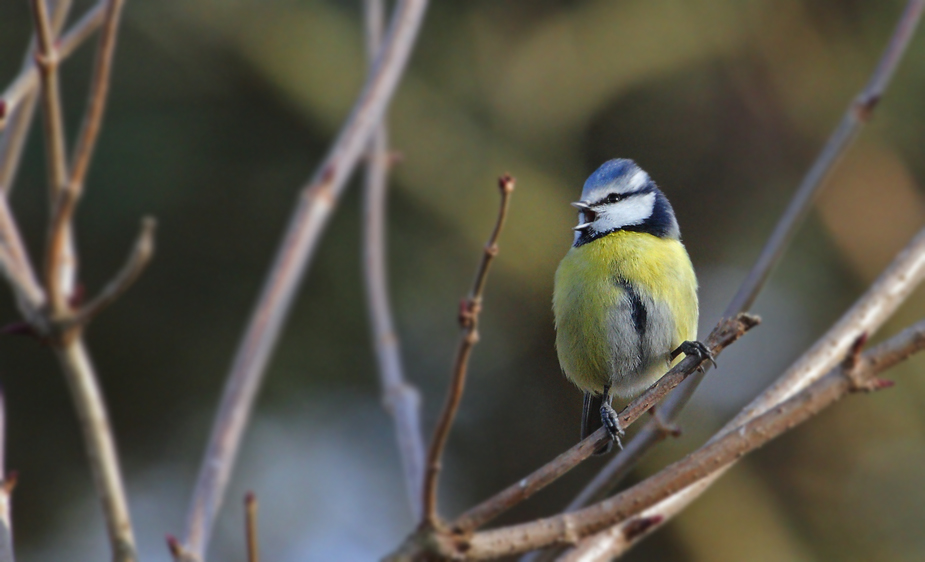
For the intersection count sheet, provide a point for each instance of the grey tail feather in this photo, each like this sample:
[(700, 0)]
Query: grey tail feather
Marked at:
[(591, 419)]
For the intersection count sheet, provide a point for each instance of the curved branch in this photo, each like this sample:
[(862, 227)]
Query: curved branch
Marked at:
[(400, 398), (313, 209)]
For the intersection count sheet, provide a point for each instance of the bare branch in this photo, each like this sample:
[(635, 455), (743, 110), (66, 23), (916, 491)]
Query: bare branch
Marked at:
[(858, 113), (569, 528), (100, 446), (47, 59), (139, 258), (14, 261), (315, 205), (99, 93), (469, 322), (726, 332), (866, 316), (401, 399), (28, 79)]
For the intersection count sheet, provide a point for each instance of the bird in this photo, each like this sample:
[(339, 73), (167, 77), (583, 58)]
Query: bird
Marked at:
[(625, 294)]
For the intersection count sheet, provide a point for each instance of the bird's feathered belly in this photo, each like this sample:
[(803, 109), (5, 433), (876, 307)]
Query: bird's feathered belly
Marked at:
[(622, 303)]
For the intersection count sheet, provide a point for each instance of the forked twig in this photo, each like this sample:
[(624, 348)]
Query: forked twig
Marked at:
[(400, 398), (313, 209), (469, 322)]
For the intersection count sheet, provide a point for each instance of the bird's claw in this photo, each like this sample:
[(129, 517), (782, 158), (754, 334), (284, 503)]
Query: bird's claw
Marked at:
[(695, 348), (611, 421)]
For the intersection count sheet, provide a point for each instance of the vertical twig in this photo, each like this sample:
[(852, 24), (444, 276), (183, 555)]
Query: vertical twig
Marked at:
[(100, 446), (250, 527), (401, 399), (313, 209), (469, 322), (857, 115), (7, 483)]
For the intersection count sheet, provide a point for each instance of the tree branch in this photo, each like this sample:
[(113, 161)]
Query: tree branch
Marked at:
[(866, 316), (314, 207), (469, 322), (400, 398), (726, 332), (100, 446), (858, 113), (139, 258), (250, 527), (569, 528)]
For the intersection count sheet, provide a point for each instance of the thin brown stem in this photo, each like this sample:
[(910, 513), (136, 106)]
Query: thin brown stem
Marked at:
[(313, 209), (469, 322), (138, 259), (17, 103), (99, 93), (726, 332), (100, 446), (856, 116), (250, 527), (569, 528), (400, 398)]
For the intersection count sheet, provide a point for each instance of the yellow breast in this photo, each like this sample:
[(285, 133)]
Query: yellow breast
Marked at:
[(588, 288)]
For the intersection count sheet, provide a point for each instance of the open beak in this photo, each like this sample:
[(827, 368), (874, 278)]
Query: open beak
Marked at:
[(586, 215)]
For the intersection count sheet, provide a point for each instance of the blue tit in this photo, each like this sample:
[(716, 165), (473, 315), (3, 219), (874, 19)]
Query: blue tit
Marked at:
[(625, 294)]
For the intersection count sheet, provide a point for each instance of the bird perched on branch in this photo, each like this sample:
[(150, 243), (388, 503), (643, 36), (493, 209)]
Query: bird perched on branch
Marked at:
[(625, 293)]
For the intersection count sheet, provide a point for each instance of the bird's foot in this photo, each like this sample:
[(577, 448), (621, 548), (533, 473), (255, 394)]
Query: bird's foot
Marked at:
[(611, 421), (697, 349)]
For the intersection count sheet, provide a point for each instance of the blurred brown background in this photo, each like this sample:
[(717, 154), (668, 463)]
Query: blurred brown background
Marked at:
[(221, 109)]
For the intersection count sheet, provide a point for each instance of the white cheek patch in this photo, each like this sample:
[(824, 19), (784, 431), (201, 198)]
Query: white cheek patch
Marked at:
[(632, 211), (635, 183)]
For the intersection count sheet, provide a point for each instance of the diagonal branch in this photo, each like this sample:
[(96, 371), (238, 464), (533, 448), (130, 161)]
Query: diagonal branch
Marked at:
[(313, 209), (569, 528), (400, 398), (727, 331), (856, 116), (469, 322), (866, 316)]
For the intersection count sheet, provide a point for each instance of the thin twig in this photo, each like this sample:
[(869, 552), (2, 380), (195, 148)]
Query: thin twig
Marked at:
[(400, 398), (138, 259), (866, 316), (7, 483), (314, 207), (569, 528), (250, 527), (17, 105), (99, 93), (27, 81), (47, 59), (14, 261), (726, 332), (469, 322), (100, 446), (858, 113)]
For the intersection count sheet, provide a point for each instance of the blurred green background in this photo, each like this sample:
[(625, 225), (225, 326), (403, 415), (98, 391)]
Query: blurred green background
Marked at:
[(220, 111)]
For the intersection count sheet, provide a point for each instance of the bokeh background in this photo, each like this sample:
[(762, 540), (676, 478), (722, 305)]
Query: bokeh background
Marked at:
[(220, 111)]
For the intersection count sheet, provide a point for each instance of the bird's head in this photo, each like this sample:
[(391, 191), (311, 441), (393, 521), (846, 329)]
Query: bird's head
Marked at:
[(621, 196)]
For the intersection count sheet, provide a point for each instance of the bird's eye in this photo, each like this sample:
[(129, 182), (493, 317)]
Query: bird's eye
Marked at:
[(613, 198)]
